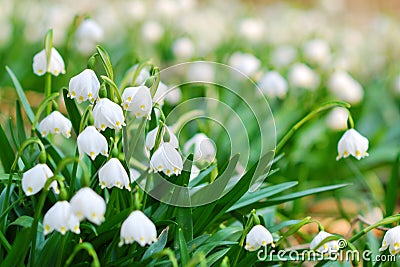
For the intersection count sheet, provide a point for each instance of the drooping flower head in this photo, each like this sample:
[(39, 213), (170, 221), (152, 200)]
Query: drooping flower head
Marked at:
[(84, 86), (166, 159), (87, 204), (56, 64), (88, 35), (204, 148), (137, 227), (34, 179), (92, 143), (345, 87), (152, 136), (327, 246), (352, 143), (302, 76), (272, 84), (138, 101), (391, 240), (257, 237), (60, 218), (55, 123), (113, 174), (108, 114)]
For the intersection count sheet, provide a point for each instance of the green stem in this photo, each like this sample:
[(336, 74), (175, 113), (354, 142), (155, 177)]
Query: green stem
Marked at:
[(89, 248), (73, 175), (246, 229), (47, 90), (44, 105), (308, 117), (60, 256), (63, 163)]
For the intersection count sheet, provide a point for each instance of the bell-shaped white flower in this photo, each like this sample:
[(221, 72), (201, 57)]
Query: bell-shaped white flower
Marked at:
[(137, 100), (152, 135), (352, 143), (60, 218), (113, 174), (302, 76), (204, 148), (84, 86), (55, 123), (317, 51), (56, 64), (108, 114), (34, 179), (337, 119), (166, 159), (272, 84), (92, 143), (88, 35), (391, 240), (137, 227), (246, 63), (343, 86), (327, 247), (88, 204), (257, 237)]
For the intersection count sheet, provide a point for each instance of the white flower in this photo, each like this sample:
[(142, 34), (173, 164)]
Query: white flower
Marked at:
[(56, 65), (141, 77), (194, 172), (342, 85), (337, 119), (166, 159), (113, 174), (88, 35), (60, 218), (91, 142), (34, 179), (317, 51), (88, 204), (160, 94), (108, 114), (152, 31), (152, 135), (55, 123), (84, 86), (200, 72), (137, 227), (183, 48), (257, 237), (174, 96), (283, 55), (134, 174), (246, 63), (251, 29), (391, 240), (352, 143), (137, 100), (327, 246), (302, 76), (204, 148), (273, 85)]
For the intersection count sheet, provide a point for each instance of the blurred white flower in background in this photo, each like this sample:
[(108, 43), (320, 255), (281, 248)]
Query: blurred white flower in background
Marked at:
[(272, 84), (87, 204), (138, 101), (88, 35), (302, 76), (246, 63), (107, 114), (84, 86), (202, 147), (283, 56), (330, 246), (352, 143), (92, 143), (317, 51), (138, 227), (141, 77), (257, 237), (396, 85), (200, 72), (34, 179), (166, 159), (183, 48), (55, 123), (343, 86), (337, 119), (152, 31), (56, 65), (391, 240), (251, 29), (60, 218), (112, 173)]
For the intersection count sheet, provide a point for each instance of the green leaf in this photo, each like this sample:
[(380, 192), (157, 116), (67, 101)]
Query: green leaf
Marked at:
[(105, 58), (157, 246), (21, 95), (7, 154), (392, 188), (216, 256), (17, 254), (295, 227), (24, 221), (73, 111), (183, 249), (251, 197), (20, 123), (51, 246)]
